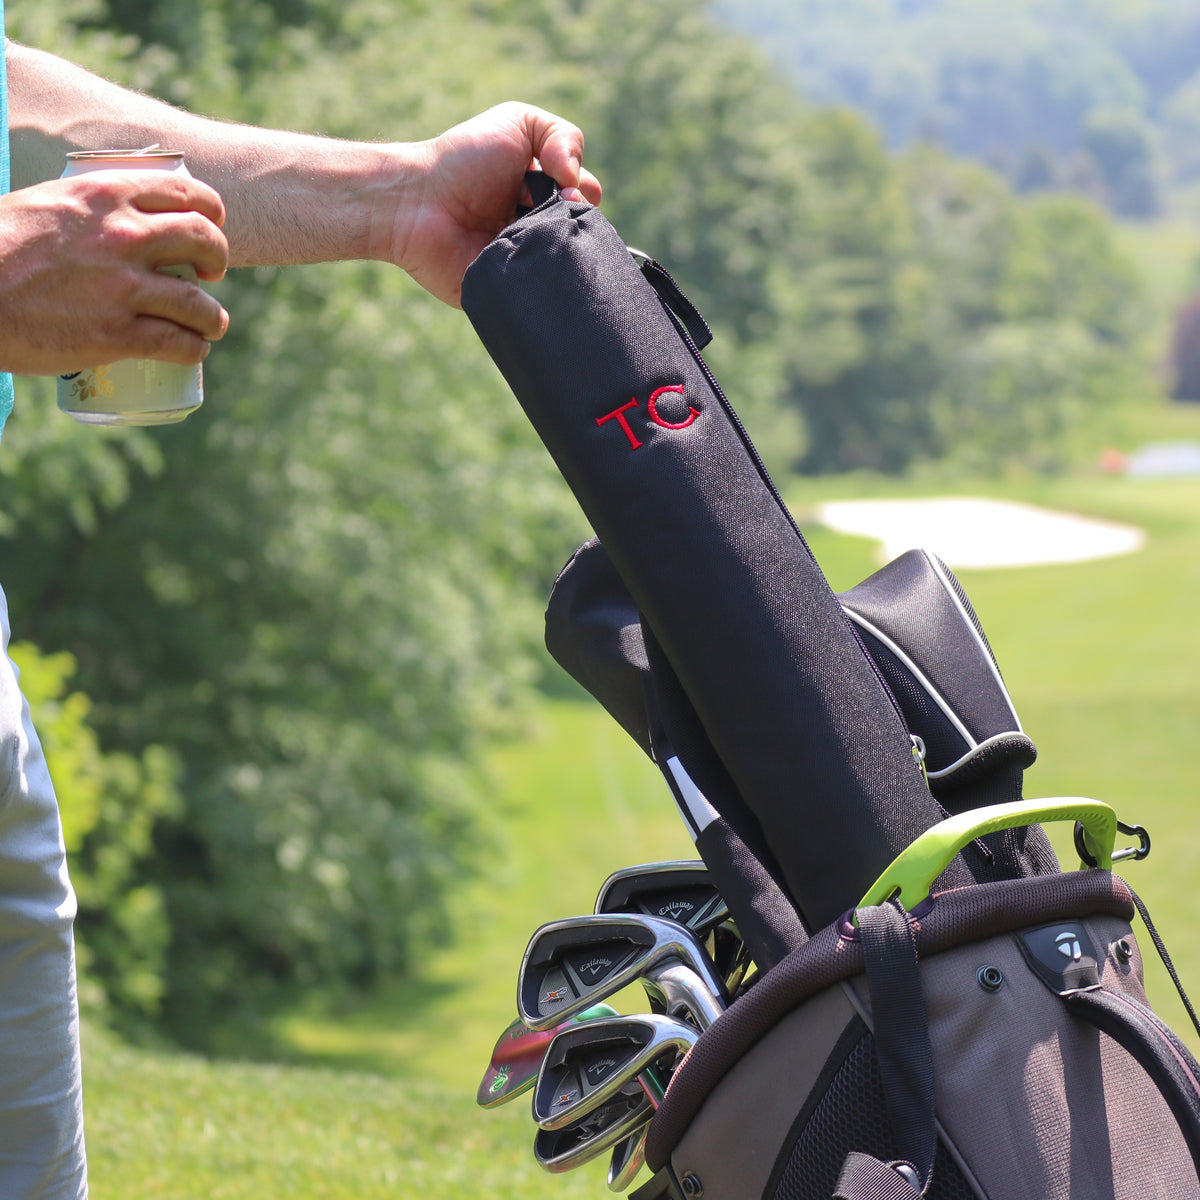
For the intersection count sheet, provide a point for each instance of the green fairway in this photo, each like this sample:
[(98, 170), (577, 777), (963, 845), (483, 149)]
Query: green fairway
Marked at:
[(1102, 661)]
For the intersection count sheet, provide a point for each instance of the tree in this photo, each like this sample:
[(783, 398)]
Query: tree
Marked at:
[(1120, 144)]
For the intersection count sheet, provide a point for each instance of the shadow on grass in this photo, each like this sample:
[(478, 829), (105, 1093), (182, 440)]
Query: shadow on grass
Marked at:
[(381, 1029)]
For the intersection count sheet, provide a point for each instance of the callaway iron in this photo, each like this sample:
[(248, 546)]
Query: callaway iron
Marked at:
[(579, 961)]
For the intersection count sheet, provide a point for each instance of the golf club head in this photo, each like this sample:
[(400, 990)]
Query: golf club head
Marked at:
[(593, 1062), (559, 1150), (518, 1055), (628, 1158), (681, 890), (574, 963)]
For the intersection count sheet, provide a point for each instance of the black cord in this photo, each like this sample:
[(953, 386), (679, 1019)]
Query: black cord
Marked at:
[(1161, 947)]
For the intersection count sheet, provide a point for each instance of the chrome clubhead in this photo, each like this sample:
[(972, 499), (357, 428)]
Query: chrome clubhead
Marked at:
[(579, 961), (681, 890), (628, 1158), (564, 1149), (589, 1064), (517, 1058)]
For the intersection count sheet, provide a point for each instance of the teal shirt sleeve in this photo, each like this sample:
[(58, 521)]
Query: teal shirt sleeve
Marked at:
[(6, 385)]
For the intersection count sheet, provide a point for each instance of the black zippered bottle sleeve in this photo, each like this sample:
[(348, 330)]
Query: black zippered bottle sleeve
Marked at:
[(616, 388)]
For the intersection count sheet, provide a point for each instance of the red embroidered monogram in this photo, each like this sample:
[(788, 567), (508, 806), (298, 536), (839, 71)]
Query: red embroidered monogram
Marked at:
[(652, 405), (623, 421), (618, 414)]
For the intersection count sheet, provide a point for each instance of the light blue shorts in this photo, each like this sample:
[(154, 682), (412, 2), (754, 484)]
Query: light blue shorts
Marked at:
[(41, 1110)]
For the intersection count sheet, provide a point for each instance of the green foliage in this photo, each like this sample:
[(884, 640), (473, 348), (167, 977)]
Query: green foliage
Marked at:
[(1084, 96), (1121, 145), (110, 803), (322, 590)]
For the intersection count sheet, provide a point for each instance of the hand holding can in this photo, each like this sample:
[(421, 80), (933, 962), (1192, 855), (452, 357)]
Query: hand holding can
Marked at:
[(143, 391)]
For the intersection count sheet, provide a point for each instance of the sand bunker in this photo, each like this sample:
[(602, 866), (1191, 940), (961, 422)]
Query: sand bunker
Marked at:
[(971, 532)]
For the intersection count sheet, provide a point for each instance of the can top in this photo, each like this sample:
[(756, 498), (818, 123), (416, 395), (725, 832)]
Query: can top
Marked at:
[(148, 152)]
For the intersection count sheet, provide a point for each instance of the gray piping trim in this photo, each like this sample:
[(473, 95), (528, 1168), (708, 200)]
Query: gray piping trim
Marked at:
[(916, 672), (966, 758)]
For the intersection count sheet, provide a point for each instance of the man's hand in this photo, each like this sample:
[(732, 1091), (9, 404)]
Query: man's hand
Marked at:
[(467, 188), (79, 284)]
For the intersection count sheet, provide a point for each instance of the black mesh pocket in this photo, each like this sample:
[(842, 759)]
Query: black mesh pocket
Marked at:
[(944, 744), (849, 1113)]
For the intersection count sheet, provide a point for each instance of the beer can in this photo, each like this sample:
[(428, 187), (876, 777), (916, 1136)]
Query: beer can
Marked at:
[(135, 391)]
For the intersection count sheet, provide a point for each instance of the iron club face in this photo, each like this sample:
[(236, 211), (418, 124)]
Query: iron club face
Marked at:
[(680, 890), (574, 963), (589, 1064), (564, 1149)]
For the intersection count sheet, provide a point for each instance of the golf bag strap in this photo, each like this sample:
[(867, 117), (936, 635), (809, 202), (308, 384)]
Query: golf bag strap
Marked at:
[(866, 1178), (905, 1056), (1160, 1053)]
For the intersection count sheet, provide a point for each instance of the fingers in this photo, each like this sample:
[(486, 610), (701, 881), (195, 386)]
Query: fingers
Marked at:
[(162, 191), (558, 145), (589, 189), (168, 342), (185, 237), (158, 219), (175, 301)]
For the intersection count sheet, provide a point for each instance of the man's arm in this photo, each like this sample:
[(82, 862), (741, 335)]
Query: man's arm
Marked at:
[(428, 207)]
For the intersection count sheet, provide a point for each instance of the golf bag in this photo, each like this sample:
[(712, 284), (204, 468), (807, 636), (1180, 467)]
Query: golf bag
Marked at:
[(940, 1012)]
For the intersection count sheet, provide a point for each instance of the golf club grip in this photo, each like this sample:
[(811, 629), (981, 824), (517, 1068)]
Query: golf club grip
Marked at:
[(667, 477)]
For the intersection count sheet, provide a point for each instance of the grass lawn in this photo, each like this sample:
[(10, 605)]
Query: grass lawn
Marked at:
[(389, 1111), (1103, 661)]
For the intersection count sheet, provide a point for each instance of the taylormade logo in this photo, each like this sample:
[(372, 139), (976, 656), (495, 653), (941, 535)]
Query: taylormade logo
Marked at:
[(618, 414), (1068, 945)]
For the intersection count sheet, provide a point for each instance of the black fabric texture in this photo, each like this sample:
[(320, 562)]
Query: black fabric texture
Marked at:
[(715, 564), (1010, 851), (733, 846), (918, 604), (944, 744), (902, 1042), (850, 1115), (594, 633)]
